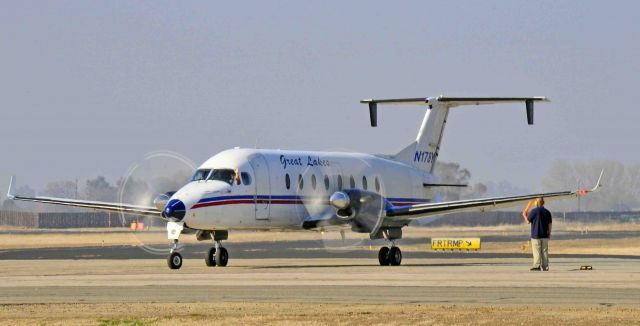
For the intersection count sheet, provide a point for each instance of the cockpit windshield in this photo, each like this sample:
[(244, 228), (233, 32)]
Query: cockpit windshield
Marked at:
[(224, 175), (200, 175)]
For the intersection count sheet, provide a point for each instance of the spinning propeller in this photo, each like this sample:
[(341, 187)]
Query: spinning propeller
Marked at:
[(152, 181)]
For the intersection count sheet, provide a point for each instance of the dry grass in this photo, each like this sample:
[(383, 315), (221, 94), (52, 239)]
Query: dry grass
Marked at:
[(122, 237), (234, 313)]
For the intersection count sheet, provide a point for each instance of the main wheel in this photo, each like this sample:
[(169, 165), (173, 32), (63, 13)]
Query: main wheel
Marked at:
[(210, 258), (383, 256), (224, 257), (174, 260), (395, 256)]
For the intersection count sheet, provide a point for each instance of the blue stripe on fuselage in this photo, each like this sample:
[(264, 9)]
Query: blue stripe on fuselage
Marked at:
[(297, 198)]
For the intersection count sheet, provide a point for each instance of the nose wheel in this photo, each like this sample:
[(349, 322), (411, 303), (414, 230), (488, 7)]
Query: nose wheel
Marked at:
[(390, 256), (217, 256), (174, 260)]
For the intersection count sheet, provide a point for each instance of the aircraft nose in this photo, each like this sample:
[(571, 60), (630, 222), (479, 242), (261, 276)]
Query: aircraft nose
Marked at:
[(175, 209)]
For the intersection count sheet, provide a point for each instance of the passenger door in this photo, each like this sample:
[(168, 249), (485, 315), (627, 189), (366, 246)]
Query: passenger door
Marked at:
[(262, 193)]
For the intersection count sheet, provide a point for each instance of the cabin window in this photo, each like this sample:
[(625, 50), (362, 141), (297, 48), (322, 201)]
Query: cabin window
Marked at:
[(364, 182), (313, 181), (352, 182), (287, 181), (339, 182), (377, 184), (200, 175), (300, 182), (246, 178), (326, 182), (224, 175)]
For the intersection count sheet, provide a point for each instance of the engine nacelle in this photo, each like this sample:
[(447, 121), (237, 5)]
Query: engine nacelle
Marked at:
[(359, 207), (162, 199)]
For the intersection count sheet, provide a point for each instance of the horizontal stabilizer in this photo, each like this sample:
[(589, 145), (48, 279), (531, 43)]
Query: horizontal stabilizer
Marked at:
[(451, 102)]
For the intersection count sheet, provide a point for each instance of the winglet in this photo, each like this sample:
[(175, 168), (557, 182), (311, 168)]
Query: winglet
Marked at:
[(10, 193), (598, 184)]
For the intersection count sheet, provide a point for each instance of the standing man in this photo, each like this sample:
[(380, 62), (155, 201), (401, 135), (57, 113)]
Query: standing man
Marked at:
[(540, 220)]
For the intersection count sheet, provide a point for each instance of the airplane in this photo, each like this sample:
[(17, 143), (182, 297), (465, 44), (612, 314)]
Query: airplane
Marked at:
[(264, 189)]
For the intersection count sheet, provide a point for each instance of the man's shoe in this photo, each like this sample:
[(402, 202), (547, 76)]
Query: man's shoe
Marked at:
[(546, 269), (535, 269)]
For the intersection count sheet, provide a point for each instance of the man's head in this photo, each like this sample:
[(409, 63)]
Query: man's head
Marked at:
[(540, 202)]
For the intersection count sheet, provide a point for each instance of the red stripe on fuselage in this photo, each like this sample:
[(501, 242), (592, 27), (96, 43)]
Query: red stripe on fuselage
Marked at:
[(224, 202)]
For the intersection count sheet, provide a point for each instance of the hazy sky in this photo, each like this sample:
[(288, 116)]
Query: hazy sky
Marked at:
[(88, 87)]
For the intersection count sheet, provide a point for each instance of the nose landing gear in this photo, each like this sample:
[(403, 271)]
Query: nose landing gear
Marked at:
[(175, 258), (174, 261)]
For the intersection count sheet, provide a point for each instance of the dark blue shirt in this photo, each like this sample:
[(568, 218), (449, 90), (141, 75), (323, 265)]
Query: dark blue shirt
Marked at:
[(540, 219)]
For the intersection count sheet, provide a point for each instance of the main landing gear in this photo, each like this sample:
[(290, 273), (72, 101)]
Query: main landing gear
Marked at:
[(390, 256), (217, 256)]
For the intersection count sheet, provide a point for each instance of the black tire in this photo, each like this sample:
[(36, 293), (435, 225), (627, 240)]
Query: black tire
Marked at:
[(395, 256), (210, 258), (224, 257), (383, 256), (174, 260)]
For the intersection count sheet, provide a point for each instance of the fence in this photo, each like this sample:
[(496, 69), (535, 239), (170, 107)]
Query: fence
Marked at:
[(51, 220), (105, 220)]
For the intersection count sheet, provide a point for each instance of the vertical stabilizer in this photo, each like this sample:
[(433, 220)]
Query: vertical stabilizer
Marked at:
[(423, 152)]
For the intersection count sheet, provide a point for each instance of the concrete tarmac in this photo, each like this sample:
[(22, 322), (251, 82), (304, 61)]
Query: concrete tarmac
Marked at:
[(464, 280), (301, 249)]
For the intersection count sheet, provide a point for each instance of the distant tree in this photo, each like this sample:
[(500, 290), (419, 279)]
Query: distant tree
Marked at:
[(134, 191), (9, 205), (504, 188), (62, 189), (99, 189), (620, 190), (25, 191), (453, 173), (142, 191)]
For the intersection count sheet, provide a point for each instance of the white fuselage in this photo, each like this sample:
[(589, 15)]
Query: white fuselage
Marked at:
[(281, 189)]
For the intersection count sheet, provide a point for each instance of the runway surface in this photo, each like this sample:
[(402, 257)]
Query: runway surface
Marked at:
[(613, 282), (301, 249), (52, 281)]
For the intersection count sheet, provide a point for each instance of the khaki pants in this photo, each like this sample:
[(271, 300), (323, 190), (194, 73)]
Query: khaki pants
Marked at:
[(540, 249)]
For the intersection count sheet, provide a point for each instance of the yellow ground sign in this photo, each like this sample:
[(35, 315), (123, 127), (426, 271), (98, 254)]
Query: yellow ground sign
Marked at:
[(455, 243)]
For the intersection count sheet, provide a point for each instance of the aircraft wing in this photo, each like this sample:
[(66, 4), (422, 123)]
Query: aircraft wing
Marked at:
[(103, 206), (411, 212)]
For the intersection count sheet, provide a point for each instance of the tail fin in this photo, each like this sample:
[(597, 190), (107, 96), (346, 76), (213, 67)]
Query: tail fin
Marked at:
[(423, 152)]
